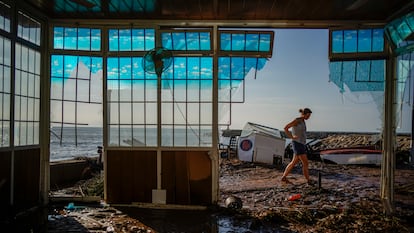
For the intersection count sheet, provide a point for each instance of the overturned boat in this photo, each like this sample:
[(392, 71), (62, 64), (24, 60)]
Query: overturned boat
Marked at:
[(351, 156), (259, 143)]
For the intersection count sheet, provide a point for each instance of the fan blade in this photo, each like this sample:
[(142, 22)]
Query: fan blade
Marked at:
[(157, 60)]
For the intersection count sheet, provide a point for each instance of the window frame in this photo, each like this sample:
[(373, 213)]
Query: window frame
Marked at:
[(349, 56)]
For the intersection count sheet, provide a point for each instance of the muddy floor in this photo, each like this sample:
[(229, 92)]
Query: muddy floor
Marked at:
[(345, 200), (252, 199)]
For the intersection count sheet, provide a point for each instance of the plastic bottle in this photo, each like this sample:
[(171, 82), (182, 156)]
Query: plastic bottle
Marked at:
[(294, 197)]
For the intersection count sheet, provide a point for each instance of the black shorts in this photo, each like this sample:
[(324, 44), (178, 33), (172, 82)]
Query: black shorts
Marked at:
[(298, 148)]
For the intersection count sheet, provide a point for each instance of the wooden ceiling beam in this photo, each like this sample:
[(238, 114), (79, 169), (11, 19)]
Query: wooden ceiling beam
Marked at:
[(271, 10)]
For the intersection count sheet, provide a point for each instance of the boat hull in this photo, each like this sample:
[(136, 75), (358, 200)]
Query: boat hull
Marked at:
[(352, 156)]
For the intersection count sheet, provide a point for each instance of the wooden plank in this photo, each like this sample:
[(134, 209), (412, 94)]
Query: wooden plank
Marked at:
[(182, 179), (5, 165), (168, 176), (200, 175), (26, 178), (131, 176)]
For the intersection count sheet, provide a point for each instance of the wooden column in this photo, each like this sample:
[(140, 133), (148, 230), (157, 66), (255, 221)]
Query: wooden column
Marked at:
[(388, 158)]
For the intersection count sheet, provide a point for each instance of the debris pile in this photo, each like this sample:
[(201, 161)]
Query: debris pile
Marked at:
[(92, 187), (358, 217), (347, 141), (347, 201), (342, 140), (97, 219)]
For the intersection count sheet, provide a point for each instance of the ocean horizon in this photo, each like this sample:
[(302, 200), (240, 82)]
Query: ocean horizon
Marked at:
[(64, 145), (70, 142)]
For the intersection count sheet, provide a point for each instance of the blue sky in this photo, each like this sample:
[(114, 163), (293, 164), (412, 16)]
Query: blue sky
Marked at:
[(297, 76)]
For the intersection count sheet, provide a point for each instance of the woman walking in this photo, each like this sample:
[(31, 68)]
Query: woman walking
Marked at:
[(298, 136)]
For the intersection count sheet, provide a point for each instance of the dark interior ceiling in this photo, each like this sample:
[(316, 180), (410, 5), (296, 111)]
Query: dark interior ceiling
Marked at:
[(226, 10)]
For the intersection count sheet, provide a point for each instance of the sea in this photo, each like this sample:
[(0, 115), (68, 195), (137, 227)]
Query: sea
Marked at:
[(70, 142), (67, 143)]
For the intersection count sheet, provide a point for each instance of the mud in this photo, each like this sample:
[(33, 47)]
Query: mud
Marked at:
[(343, 198), (346, 200)]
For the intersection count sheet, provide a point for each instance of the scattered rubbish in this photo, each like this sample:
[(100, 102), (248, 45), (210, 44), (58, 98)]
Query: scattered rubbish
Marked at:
[(233, 202), (103, 204), (72, 206), (406, 188), (110, 229), (348, 201), (330, 208), (294, 197), (319, 180)]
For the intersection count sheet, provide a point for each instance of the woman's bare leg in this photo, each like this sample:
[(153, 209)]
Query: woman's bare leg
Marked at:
[(290, 166), (305, 166)]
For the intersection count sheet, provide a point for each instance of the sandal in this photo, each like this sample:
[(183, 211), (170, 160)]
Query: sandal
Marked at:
[(285, 180)]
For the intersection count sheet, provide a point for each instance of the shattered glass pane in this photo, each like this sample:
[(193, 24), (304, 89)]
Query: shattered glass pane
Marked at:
[(400, 31), (364, 75), (405, 75)]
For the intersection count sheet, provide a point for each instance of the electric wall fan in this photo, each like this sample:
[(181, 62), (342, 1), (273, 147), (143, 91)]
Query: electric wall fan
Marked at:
[(157, 60)]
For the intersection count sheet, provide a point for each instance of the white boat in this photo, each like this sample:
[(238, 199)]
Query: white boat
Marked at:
[(260, 143), (352, 156)]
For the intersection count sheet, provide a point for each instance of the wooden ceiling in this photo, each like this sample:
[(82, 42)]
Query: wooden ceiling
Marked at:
[(226, 10)]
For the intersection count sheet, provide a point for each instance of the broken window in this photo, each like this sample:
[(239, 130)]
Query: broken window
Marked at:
[(400, 33), (76, 92), (357, 62), (241, 52), (144, 110)]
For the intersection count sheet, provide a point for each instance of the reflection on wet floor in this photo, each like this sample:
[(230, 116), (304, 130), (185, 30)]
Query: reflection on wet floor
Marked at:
[(136, 219), (162, 220), (346, 197)]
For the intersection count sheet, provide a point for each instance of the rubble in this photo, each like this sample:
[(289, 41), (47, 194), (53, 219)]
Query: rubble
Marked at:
[(347, 140), (93, 219), (347, 199)]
